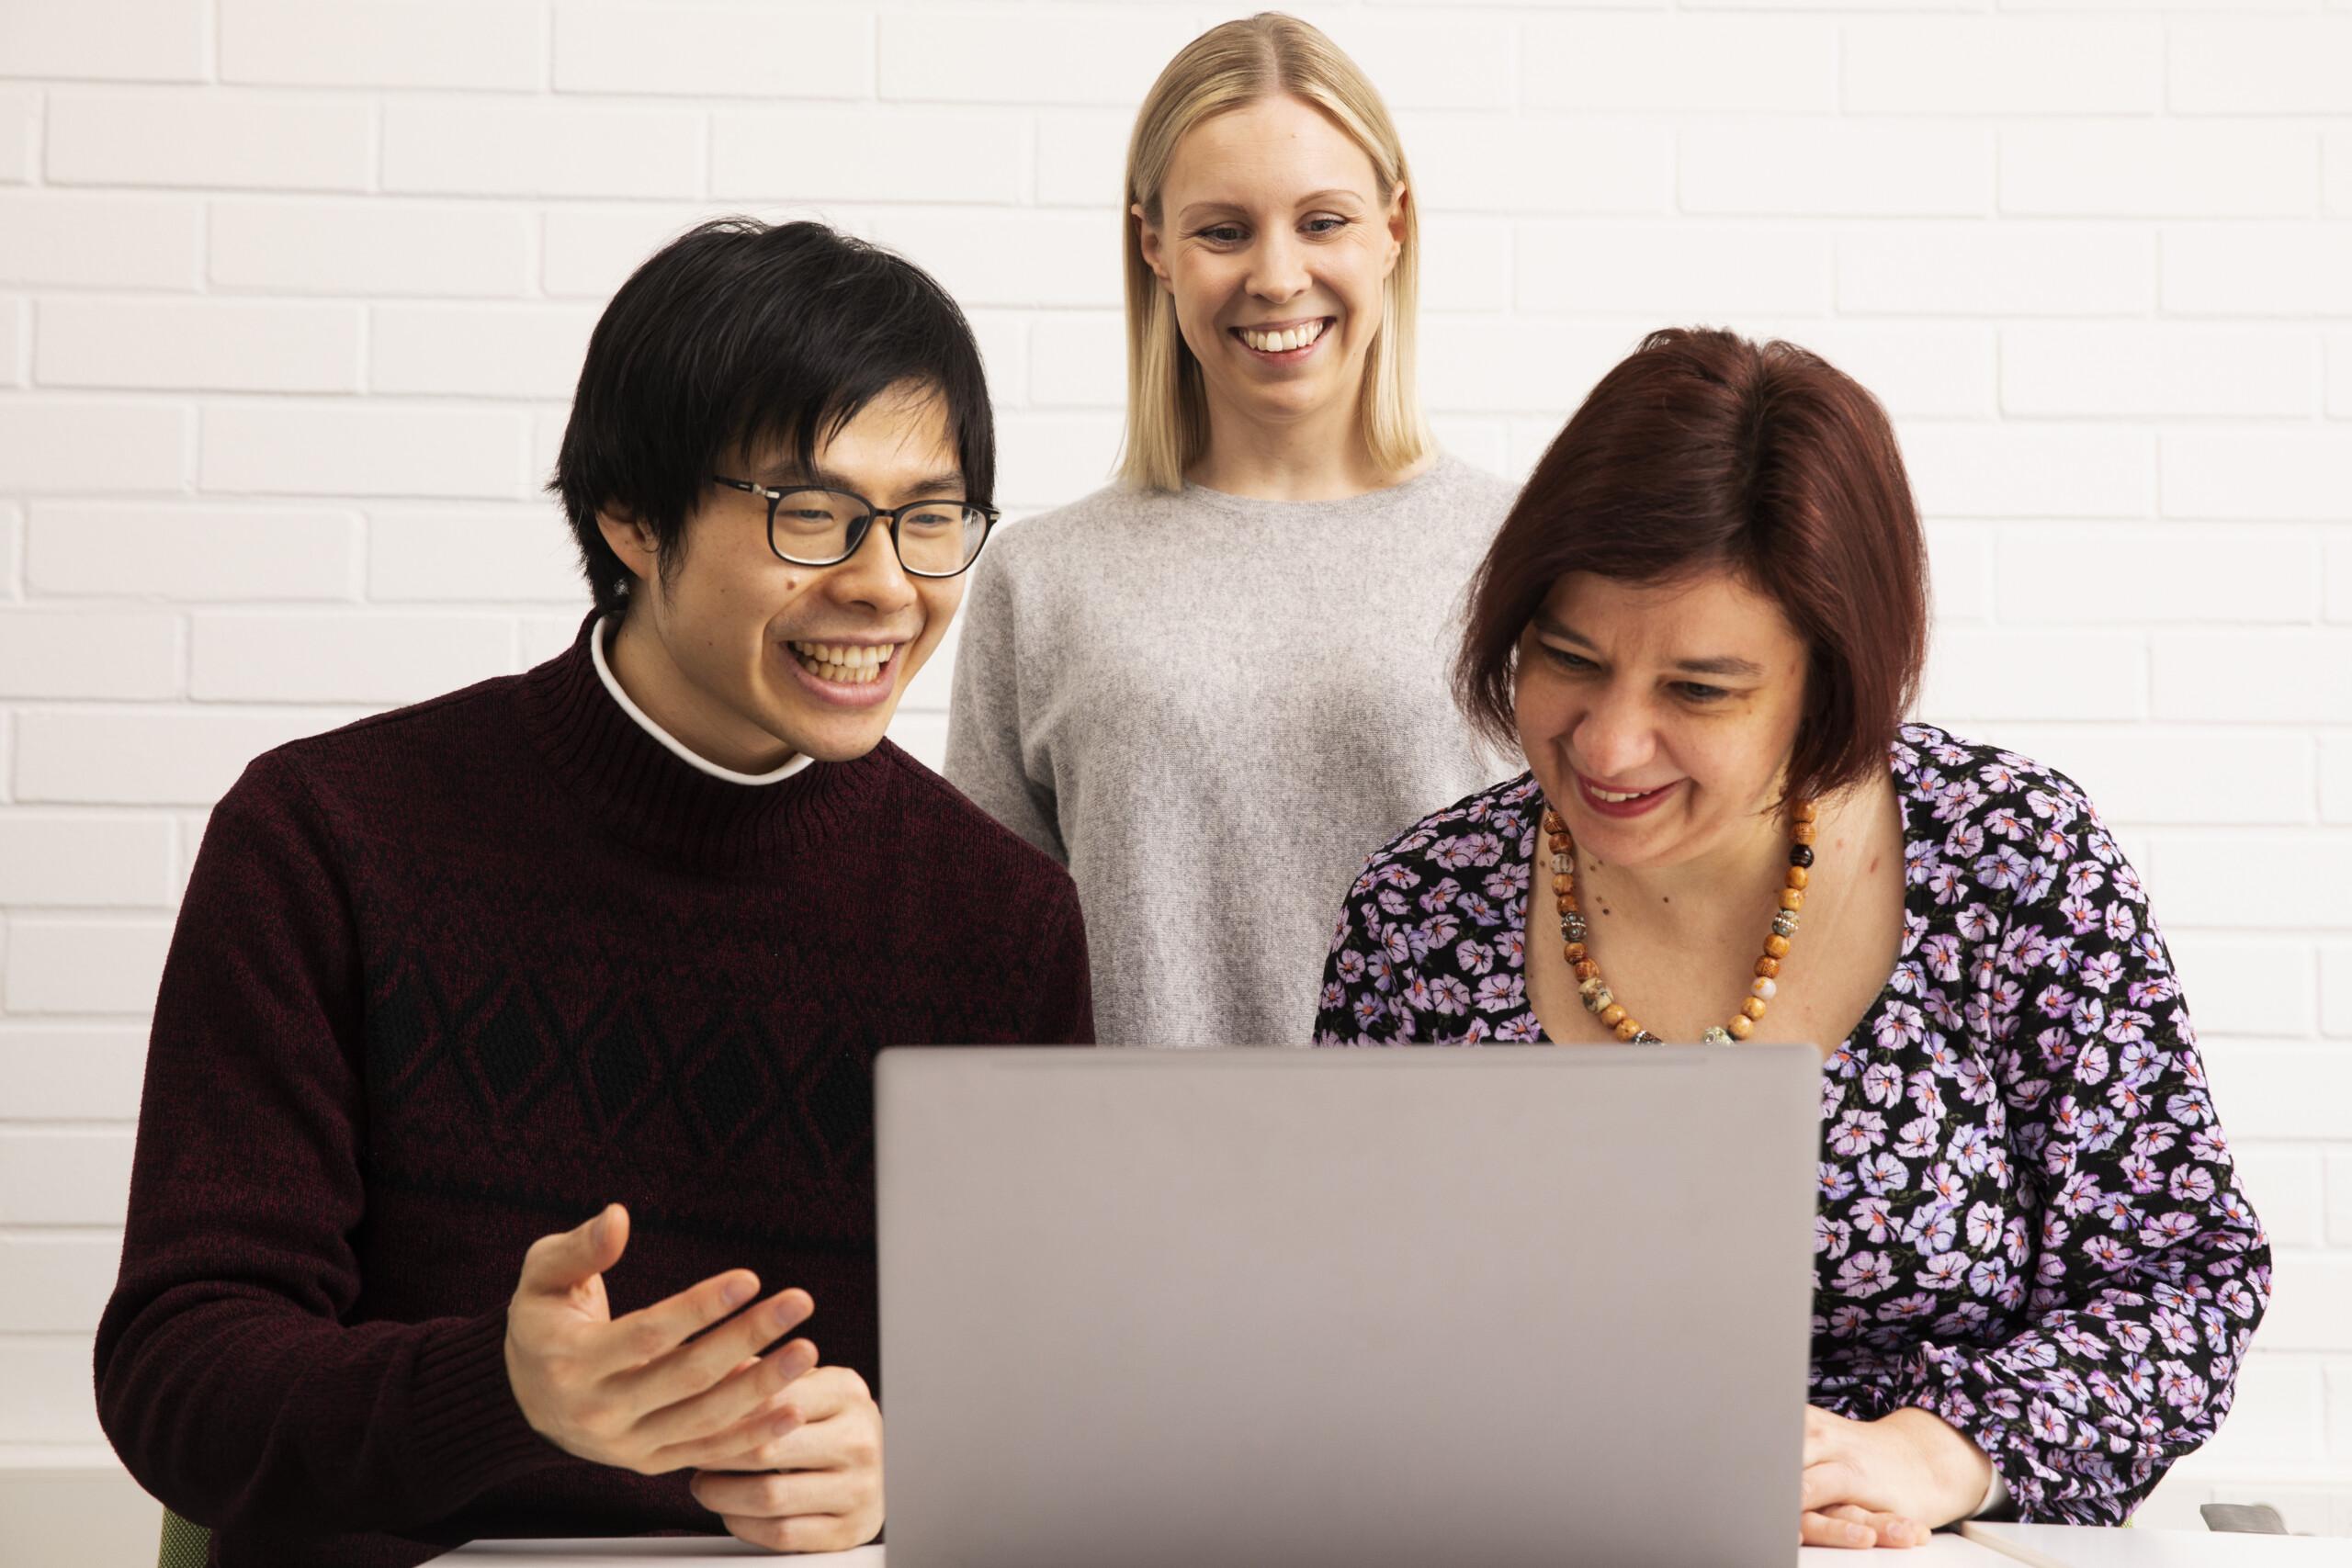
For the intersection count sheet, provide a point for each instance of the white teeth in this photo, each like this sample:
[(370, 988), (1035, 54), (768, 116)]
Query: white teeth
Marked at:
[(851, 663), (1613, 798), (1283, 342)]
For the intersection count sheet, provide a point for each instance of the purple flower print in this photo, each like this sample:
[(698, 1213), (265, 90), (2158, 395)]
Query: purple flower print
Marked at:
[(1501, 993), (2017, 1143), (1882, 1174), (2003, 870), (1864, 1274), (1899, 1024), (1943, 1272), (1858, 1132)]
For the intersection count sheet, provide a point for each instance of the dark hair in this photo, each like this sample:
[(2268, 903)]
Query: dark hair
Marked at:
[(1704, 450), (736, 334)]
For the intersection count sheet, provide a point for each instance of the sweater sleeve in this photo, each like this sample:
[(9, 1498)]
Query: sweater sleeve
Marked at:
[(2151, 1268), (1351, 1009), (227, 1378), (1063, 991), (987, 756)]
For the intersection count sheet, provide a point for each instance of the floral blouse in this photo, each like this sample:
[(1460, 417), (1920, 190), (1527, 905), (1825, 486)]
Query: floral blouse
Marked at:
[(2028, 1220)]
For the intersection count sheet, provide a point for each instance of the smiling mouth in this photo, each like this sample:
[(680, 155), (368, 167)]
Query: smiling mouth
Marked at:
[(1290, 339), (1617, 797), (845, 663)]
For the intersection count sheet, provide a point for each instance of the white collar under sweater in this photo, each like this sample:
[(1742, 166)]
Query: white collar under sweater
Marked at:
[(604, 673)]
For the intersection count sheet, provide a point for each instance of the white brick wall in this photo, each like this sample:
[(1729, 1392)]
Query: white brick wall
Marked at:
[(292, 297)]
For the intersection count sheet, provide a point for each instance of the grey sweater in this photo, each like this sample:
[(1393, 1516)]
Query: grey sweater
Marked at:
[(1212, 709)]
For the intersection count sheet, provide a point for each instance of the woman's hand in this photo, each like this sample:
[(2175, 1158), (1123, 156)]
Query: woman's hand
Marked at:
[(1889, 1481), (817, 1487)]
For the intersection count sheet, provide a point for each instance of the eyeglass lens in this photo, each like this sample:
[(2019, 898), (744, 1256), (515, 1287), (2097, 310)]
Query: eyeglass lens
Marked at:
[(814, 527)]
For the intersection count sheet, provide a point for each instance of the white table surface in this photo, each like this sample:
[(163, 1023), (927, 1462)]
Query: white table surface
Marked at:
[(661, 1551), (2069, 1546)]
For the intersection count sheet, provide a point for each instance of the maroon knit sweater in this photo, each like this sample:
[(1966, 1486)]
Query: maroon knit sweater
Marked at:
[(454, 977)]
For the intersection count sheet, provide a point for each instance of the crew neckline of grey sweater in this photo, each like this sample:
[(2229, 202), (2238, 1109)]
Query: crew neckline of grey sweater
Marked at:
[(1212, 708), (1429, 478)]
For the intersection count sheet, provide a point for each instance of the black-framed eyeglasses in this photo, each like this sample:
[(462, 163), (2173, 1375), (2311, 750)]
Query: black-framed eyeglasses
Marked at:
[(824, 527)]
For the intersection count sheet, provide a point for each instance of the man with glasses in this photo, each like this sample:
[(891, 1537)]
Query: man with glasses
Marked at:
[(469, 1000)]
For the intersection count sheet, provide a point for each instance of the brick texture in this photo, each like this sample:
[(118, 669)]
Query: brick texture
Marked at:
[(293, 295)]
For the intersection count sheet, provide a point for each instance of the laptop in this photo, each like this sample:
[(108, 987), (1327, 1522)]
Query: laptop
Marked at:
[(1346, 1308)]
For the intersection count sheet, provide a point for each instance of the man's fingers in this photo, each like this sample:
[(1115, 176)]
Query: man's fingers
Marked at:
[(687, 1370), (825, 1392), (824, 1420), (746, 1445), (735, 1399), (785, 1496), (826, 1445), (652, 1332), (556, 1264)]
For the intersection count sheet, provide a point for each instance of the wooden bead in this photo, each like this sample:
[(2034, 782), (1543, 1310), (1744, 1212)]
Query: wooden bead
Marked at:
[(1776, 945), (1753, 1007), (1799, 876), (1792, 898), (1614, 1014), (1767, 966), (1741, 1026), (1806, 811), (1573, 953), (1564, 903), (1764, 986), (1626, 1028), (1587, 969), (1564, 884), (1562, 844), (1801, 833)]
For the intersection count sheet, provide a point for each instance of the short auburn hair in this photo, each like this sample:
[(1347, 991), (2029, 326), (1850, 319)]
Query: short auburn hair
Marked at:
[(1704, 451)]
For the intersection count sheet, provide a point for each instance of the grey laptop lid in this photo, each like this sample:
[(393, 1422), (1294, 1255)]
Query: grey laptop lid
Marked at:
[(1352, 1308)]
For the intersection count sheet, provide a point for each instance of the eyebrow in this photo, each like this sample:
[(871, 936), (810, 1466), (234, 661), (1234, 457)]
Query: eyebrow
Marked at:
[(942, 486), (1312, 198), (1720, 664)]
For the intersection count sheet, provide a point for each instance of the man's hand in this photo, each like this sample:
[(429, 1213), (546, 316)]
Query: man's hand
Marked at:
[(1886, 1483), (631, 1392), (820, 1485)]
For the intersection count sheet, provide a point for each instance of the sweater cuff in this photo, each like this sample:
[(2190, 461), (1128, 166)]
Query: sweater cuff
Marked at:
[(466, 1434)]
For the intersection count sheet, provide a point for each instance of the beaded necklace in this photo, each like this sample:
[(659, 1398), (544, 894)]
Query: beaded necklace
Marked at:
[(1594, 991)]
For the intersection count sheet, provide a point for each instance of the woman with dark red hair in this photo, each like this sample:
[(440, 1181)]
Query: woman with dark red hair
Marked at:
[(1702, 624)]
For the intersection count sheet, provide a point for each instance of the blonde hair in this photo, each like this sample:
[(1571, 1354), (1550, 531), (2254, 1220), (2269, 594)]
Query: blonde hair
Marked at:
[(1230, 66)]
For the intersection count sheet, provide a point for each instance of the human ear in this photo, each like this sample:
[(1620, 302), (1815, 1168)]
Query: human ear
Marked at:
[(632, 541), (1396, 227), (1153, 257)]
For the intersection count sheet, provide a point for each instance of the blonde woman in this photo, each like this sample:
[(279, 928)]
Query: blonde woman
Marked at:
[(1213, 687)]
